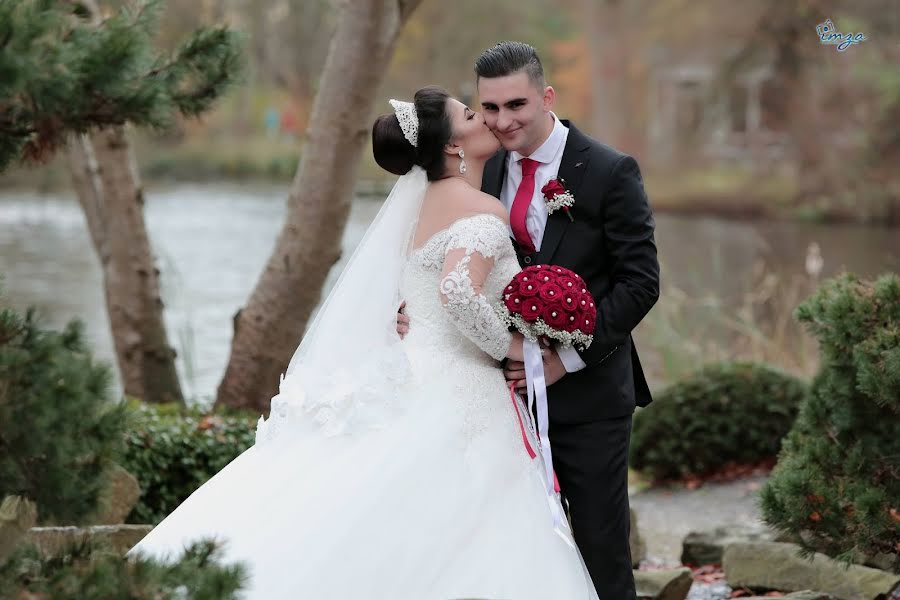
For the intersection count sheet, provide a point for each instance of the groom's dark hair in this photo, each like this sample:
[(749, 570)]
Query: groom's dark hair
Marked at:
[(507, 58)]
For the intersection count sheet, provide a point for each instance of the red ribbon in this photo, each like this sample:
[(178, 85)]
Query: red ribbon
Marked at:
[(512, 396), (531, 452)]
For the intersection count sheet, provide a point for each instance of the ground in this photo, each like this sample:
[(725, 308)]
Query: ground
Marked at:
[(667, 514)]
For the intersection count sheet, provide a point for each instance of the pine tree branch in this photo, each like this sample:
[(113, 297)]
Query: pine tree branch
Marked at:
[(61, 75)]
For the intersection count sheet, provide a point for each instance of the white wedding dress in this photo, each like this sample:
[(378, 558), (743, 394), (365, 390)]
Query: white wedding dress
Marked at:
[(427, 493)]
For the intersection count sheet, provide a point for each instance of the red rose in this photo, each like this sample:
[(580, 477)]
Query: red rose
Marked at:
[(550, 292), (567, 283), (514, 303), (569, 301), (585, 322), (555, 317), (553, 187), (531, 309), (571, 323), (544, 275), (512, 288), (584, 303), (529, 286), (591, 308), (588, 326)]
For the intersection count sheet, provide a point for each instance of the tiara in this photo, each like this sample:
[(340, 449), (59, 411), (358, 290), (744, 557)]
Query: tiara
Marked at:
[(409, 120)]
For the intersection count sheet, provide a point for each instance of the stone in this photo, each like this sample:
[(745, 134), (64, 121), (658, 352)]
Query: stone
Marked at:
[(636, 542), (706, 547), (117, 499), (883, 561), (670, 584), (779, 566), (52, 541), (17, 516), (804, 595)]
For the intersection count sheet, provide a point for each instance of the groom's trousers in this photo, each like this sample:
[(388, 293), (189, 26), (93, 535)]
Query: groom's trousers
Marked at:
[(591, 464)]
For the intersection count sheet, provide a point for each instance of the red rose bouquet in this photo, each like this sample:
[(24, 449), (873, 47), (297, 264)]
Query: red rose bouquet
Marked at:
[(551, 301), (554, 302)]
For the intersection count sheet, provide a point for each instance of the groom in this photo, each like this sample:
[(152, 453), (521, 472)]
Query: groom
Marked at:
[(609, 242)]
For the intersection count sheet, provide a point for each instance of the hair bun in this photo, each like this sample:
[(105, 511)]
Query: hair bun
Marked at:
[(391, 149)]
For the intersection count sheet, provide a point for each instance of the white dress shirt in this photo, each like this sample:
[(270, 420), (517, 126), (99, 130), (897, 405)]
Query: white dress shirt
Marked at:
[(549, 154)]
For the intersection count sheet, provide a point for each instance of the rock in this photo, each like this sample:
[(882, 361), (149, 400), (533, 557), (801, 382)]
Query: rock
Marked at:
[(17, 516), (779, 566), (51, 541), (636, 542), (883, 561), (673, 584), (706, 547), (804, 595), (117, 499)]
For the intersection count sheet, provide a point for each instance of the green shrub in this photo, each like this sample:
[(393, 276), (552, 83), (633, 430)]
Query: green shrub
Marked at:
[(58, 424), (94, 572), (837, 484), (173, 450), (734, 412)]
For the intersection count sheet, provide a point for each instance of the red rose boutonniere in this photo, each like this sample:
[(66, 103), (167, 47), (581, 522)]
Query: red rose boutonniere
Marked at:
[(557, 196)]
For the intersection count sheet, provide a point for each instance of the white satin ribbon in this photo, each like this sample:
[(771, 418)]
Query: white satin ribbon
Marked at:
[(537, 391)]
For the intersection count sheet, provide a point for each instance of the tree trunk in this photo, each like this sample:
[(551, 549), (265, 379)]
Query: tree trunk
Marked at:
[(106, 181), (608, 63), (268, 329), (107, 185)]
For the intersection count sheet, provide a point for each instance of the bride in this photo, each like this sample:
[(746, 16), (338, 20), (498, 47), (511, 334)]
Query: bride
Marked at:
[(399, 469)]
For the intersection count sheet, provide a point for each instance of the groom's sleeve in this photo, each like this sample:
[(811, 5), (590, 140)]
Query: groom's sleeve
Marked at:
[(634, 274)]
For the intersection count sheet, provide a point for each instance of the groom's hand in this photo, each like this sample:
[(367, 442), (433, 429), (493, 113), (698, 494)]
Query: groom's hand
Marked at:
[(553, 369), (402, 321)]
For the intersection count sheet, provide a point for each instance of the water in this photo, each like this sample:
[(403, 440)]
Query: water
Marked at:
[(213, 240)]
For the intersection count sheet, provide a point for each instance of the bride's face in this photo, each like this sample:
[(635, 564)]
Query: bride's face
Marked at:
[(470, 131)]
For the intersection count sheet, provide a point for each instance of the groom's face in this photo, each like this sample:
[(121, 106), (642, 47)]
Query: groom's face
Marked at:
[(517, 110)]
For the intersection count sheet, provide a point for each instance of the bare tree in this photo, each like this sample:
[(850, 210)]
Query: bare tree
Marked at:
[(105, 178), (268, 328), (109, 191), (608, 59)]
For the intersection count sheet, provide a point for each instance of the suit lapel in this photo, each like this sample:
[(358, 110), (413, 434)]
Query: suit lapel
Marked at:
[(571, 170), (494, 174)]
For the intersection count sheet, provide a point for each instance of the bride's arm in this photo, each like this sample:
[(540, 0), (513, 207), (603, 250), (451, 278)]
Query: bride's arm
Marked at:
[(469, 260)]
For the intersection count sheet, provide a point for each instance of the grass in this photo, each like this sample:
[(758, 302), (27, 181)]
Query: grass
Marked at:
[(724, 190), (683, 331)]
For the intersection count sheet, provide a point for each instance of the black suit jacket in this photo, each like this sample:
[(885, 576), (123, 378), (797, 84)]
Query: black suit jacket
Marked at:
[(610, 244)]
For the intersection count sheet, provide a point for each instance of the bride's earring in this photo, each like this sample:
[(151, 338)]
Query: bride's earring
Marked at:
[(462, 162)]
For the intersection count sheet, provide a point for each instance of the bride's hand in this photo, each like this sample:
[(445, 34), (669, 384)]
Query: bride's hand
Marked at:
[(516, 351)]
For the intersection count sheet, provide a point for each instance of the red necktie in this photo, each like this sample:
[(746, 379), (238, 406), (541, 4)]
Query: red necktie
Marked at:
[(521, 203)]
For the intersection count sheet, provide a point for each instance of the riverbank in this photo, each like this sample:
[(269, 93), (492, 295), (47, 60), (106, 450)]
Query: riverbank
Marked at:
[(727, 192)]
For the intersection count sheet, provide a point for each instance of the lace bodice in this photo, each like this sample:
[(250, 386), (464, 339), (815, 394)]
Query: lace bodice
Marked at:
[(451, 285), (456, 339)]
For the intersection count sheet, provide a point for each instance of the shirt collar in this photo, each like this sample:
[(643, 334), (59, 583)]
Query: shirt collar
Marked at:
[(551, 146)]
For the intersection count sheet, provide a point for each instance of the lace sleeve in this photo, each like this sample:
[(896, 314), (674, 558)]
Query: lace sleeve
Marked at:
[(473, 245)]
